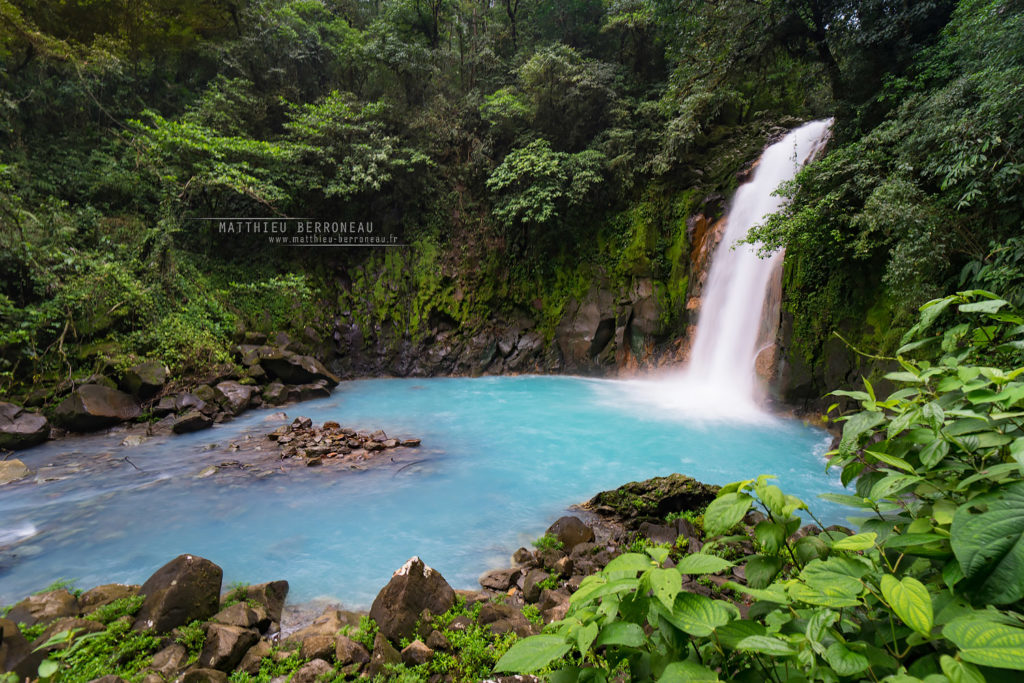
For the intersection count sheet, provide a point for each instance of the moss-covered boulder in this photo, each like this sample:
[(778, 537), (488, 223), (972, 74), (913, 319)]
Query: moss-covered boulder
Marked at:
[(640, 501)]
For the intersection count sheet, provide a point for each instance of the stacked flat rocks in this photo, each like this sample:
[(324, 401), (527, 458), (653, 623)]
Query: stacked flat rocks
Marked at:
[(332, 441)]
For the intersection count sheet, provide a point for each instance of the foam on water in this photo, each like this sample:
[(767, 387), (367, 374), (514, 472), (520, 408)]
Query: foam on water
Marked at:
[(502, 458)]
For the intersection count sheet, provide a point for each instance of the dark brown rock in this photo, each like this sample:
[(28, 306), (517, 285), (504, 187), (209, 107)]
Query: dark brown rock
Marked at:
[(271, 595), (253, 658), (192, 421), (571, 531), (416, 653), (312, 672), (500, 579), (170, 660), (93, 406), (437, 641), (204, 676), (97, 597), (234, 397), (531, 584), (348, 651), (659, 533), (412, 589), (225, 646), (184, 589), (318, 647), (145, 379), (241, 615), (44, 607), (383, 654), (653, 498), (522, 556), (13, 648)]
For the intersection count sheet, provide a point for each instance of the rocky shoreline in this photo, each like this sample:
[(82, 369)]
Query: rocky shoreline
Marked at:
[(418, 625)]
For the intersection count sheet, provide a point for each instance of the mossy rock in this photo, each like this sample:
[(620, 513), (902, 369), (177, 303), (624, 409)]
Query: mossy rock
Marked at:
[(655, 498)]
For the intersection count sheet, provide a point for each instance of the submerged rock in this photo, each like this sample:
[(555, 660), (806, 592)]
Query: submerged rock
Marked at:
[(93, 406), (13, 470), (20, 428)]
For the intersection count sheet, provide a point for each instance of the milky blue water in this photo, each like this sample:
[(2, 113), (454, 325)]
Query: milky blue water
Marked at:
[(502, 458)]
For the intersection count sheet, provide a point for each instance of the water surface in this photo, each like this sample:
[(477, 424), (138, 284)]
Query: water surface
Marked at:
[(502, 457)]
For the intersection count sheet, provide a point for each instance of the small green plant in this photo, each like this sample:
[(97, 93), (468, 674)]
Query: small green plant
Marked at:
[(61, 584), (532, 614), (271, 668), (117, 609), (694, 517), (549, 583), (32, 632), (364, 633), (192, 637), (548, 542)]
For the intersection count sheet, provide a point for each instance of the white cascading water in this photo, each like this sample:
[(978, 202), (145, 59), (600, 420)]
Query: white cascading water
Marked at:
[(720, 378)]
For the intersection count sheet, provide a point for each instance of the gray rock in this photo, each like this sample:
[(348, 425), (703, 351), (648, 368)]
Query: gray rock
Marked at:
[(275, 393), (241, 615), (437, 641), (571, 531), (291, 368), (183, 590), (659, 533), (145, 379), (271, 596), (20, 428), (413, 588), (13, 470), (93, 406), (233, 396), (225, 646), (192, 421)]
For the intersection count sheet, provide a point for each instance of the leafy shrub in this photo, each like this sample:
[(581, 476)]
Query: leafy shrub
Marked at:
[(548, 542)]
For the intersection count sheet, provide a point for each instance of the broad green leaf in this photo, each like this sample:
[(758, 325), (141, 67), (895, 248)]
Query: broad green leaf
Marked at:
[(585, 636), (844, 661), (599, 589), (768, 645), (960, 672), (48, 667), (818, 624), (725, 512), (773, 593), (910, 600), (987, 643), (856, 426), (627, 564), (657, 554), (681, 672), (761, 569), (530, 654), (696, 614), (621, 633), (828, 596), (933, 452), (988, 540), (732, 633), (846, 499), (665, 584), (810, 548), (890, 460), (892, 484), (856, 542), (700, 563), (988, 306)]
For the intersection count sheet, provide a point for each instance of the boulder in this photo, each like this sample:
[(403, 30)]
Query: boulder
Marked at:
[(571, 531), (253, 659), (241, 615), (275, 393), (416, 653), (192, 421), (311, 672), (234, 397), (13, 470), (92, 406), (13, 647), (412, 589), (318, 647), (97, 597), (328, 624), (531, 584), (271, 596), (500, 579), (291, 368), (653, 498), (20, 428), (205, 393), (225, 646), (170, 660), (145, 379), (203, 676), (659, 533), (348, 651), (383, 654), (44, 607), (184, 589), (437, 641), (308, 392)]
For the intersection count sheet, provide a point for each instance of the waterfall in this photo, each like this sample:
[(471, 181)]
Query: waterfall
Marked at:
[(738, 283), (719, 380)]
